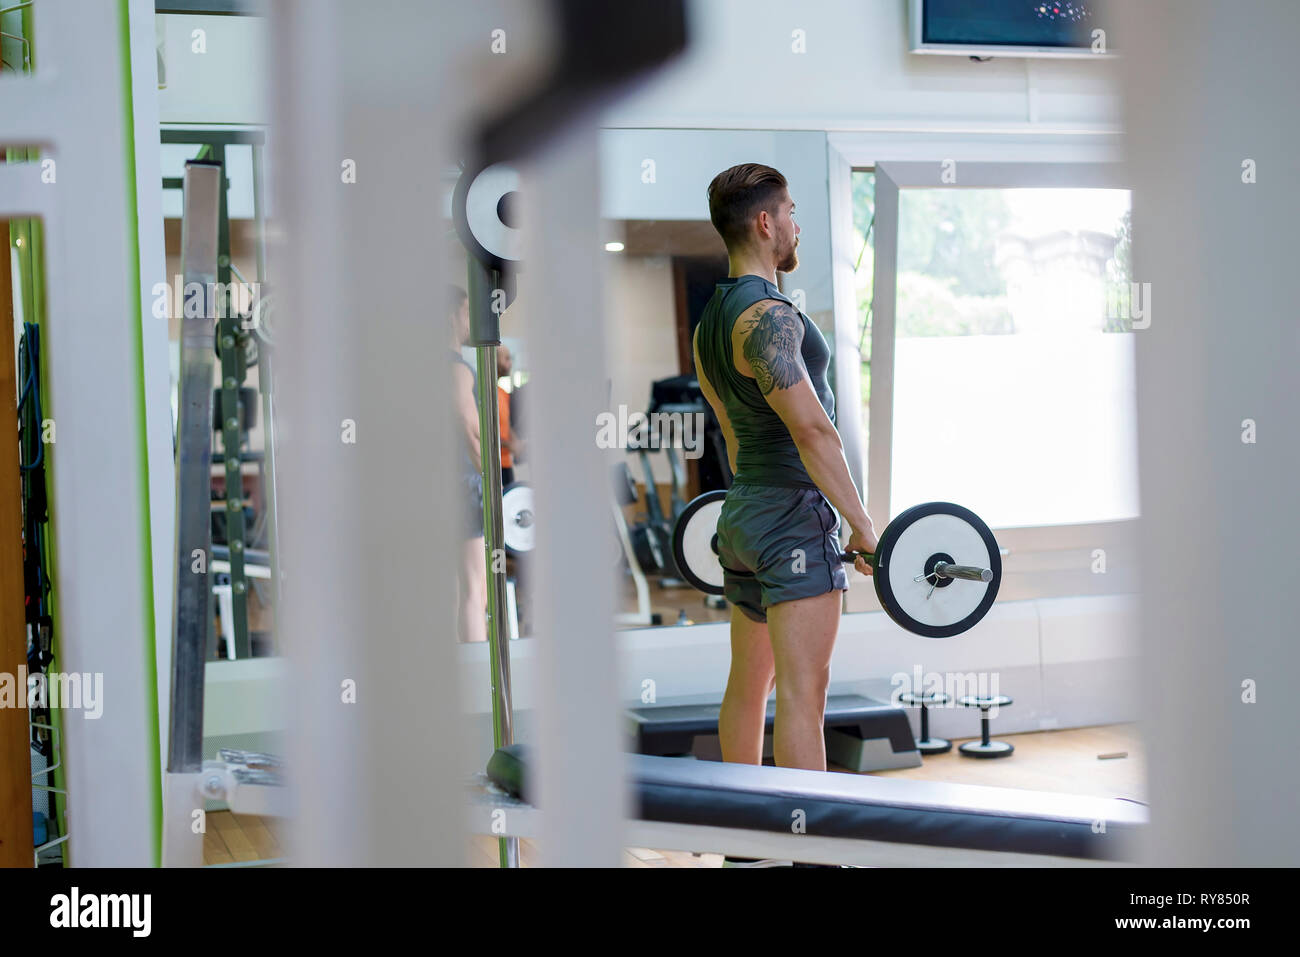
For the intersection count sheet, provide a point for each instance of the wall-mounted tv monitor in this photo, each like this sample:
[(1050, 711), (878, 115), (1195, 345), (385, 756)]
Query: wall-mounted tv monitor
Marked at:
[(1019, 28)]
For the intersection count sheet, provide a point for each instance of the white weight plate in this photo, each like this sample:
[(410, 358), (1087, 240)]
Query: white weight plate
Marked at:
[(693, 542), (481, 212), (915, 537), (923, 538), (517, 517)]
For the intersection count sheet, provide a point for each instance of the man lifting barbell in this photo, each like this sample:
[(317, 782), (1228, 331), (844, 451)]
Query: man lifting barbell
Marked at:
[(772, 540), (762, 367)]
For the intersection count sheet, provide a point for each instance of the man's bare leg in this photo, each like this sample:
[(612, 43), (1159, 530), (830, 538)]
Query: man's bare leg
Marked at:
[(802, 635), (744, 705), (471, 619)]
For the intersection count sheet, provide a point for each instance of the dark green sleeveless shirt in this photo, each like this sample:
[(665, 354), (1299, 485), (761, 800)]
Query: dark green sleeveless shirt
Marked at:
[(767, 454)]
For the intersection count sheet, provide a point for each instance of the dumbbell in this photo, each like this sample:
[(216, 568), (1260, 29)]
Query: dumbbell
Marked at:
[(985, 747)]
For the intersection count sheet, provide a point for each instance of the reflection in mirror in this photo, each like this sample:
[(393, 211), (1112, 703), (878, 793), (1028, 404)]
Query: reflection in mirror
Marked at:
[(664, 260), (220, 677), (667, 446)]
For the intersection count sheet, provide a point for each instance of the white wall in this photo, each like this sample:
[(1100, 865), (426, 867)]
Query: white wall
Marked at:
[(226, 83), (856, 74), (738, 73), (640, 321), (683, 162)]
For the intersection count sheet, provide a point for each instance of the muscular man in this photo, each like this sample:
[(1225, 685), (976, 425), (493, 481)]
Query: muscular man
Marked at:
[(471, 604), (762, 366)]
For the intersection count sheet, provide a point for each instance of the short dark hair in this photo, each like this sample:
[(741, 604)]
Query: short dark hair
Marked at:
[(455, 296), (737, 195)]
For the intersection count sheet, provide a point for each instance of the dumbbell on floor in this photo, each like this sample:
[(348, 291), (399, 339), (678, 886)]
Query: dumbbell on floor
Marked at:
[(984, 748), (925, 744)]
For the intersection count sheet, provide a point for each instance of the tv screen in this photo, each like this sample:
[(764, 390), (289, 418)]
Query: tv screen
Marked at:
[(1063, 27)]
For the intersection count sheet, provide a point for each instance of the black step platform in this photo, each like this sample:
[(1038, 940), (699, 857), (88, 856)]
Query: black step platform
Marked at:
[(863, 807), (862, 733)]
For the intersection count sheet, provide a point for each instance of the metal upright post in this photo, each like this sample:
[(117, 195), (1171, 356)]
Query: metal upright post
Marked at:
[(486, 335), (192, 617), (232, 377), (266, 385)]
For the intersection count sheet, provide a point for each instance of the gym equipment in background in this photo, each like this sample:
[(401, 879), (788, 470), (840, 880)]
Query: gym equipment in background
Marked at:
[(624, 493), (37, 586), (680, 399), (677, 415), (862, 733), (985, 748), (243, 339), (919, 582), (650, 537)]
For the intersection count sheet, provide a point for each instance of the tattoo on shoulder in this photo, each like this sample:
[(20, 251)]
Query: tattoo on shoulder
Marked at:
[(773, 346)]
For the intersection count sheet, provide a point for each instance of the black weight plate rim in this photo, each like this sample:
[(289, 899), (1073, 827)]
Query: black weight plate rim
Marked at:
[(885, 547), (460, 218), (679, 536)]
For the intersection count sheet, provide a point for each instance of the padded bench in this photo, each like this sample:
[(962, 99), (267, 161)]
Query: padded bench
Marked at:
[(867, 819), (863, 734)]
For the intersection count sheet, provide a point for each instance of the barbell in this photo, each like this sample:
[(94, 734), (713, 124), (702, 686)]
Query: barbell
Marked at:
[(936, 568)]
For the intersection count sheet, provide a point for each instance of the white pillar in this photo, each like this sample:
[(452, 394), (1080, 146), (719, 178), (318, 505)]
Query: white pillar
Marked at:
[(1210, 94), (579, 761), (369, 518)]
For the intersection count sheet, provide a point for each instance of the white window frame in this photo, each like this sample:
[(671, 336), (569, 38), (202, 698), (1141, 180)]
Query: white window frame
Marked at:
[(1038, 561)]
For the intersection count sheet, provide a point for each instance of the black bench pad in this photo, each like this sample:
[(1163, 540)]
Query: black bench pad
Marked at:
[(863, 807)]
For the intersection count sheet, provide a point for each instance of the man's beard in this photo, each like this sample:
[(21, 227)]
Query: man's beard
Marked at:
[(791, 261)]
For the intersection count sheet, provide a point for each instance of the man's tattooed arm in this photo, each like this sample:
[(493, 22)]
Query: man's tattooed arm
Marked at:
[(774, 345)]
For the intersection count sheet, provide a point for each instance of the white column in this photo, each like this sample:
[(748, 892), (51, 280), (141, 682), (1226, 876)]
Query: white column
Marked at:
[(76, 105), (1210, 95), (369, 518), (157, 379), (579, 761)]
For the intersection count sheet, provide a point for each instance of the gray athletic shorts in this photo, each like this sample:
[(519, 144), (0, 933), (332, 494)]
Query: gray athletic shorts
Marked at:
[(778, 544)]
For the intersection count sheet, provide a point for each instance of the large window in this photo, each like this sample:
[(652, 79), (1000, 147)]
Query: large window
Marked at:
[(1006, 357), (1001, 361)]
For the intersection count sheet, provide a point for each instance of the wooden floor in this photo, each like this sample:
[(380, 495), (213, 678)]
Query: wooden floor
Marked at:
[(1062, 761), (240, 838)]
